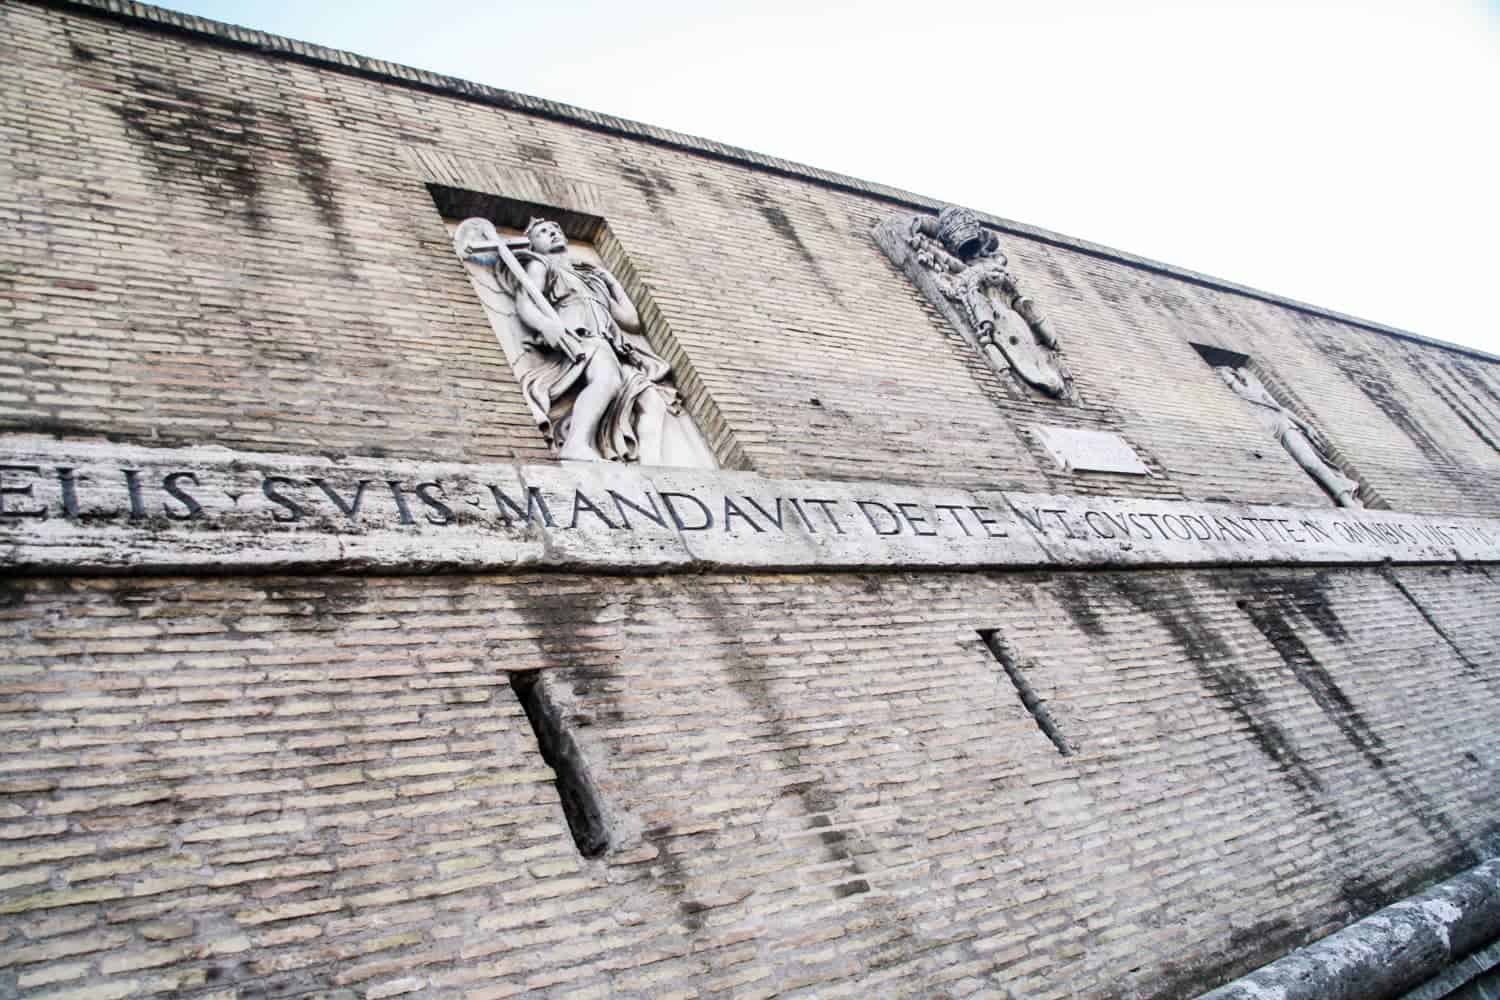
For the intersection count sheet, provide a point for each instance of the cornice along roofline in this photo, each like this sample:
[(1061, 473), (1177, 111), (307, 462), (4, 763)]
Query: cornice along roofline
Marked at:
[(235, 36)]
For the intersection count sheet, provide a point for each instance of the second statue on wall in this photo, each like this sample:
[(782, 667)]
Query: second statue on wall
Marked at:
[(1294, 434), (957, 264)]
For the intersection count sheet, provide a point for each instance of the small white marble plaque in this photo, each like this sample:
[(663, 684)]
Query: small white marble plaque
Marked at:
[(1089, 451)]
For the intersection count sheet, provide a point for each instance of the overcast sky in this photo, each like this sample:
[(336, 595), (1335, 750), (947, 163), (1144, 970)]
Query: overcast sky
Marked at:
[(1342, 154)]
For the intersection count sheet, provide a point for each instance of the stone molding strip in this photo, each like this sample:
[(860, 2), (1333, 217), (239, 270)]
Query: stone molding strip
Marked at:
[(219, 32), (1388, 952), (90, 507)]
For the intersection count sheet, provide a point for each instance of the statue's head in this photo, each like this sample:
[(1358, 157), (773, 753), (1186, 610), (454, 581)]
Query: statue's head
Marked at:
[(546, 236), (963, 234)]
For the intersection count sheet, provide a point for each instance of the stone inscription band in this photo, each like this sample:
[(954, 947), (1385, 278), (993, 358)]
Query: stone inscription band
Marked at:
[(69, 507)]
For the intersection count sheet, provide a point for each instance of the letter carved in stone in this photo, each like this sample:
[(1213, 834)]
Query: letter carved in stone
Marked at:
[(1294, 434), (594, 385), (957, 264)]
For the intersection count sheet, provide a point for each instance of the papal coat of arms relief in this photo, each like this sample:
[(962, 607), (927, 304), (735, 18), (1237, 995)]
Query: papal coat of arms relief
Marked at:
[(957, 264)]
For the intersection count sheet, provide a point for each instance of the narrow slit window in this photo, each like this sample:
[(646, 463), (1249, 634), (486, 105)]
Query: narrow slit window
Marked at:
[(1006, 657), (581, 802)]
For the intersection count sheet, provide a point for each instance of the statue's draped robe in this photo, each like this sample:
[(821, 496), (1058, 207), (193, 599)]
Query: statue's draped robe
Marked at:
[(1297, 440), (580, 294)]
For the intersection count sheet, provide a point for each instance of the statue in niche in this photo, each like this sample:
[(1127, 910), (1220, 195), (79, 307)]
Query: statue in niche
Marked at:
[(957, 264), (594, 385), (1300, 441)]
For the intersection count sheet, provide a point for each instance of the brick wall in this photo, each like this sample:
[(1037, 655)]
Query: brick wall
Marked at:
[(812, 784), (217, 244), (289, 785)]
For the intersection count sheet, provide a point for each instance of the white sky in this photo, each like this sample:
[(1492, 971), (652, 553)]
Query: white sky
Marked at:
[(1344, 154)]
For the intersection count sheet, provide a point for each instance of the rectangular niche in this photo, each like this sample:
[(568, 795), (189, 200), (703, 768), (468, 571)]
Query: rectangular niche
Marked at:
[(593, 375)]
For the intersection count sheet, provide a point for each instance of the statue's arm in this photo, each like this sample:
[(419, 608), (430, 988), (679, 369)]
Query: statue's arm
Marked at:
[(620, 307), (547, 326)]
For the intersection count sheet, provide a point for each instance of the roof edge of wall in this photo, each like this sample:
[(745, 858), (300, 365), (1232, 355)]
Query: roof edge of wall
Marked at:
[(223, 33)]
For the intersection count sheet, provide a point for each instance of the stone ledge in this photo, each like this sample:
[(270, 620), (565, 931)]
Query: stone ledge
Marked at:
[(97, 507), (1388, 952)]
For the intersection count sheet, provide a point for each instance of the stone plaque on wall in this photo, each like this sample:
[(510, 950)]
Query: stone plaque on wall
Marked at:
[(1089, 451)]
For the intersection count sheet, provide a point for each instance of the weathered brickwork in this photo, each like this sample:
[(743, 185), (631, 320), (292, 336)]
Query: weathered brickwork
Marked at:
[(214, 243), (817, 784), (308, 784)]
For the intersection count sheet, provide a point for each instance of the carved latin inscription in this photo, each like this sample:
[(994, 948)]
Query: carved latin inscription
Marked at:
[(77, 506)]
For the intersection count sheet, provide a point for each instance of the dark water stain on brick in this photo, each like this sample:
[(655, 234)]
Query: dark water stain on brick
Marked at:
[(1469, 411), (1248, 948), (1475, 376), (672, 875), (81, 53), (577, 633), (1370, 375), (704, 184), (1360, 896), (1061, 279), (565, 625), (1307, 594), (194, 139), (314, 175), (576, 630), (664, 181), (1109, 292), (817, 800), (1470, 665), (211, 144), (1081, 593), (261, 984), (1278, 929), (652, 188), (781, 224), (751, 684), (1275, 603), (1174, 607)]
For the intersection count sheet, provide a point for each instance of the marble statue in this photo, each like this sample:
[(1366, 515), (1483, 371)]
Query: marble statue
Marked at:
[(1295, 435), (594, 385), (957, 264)]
